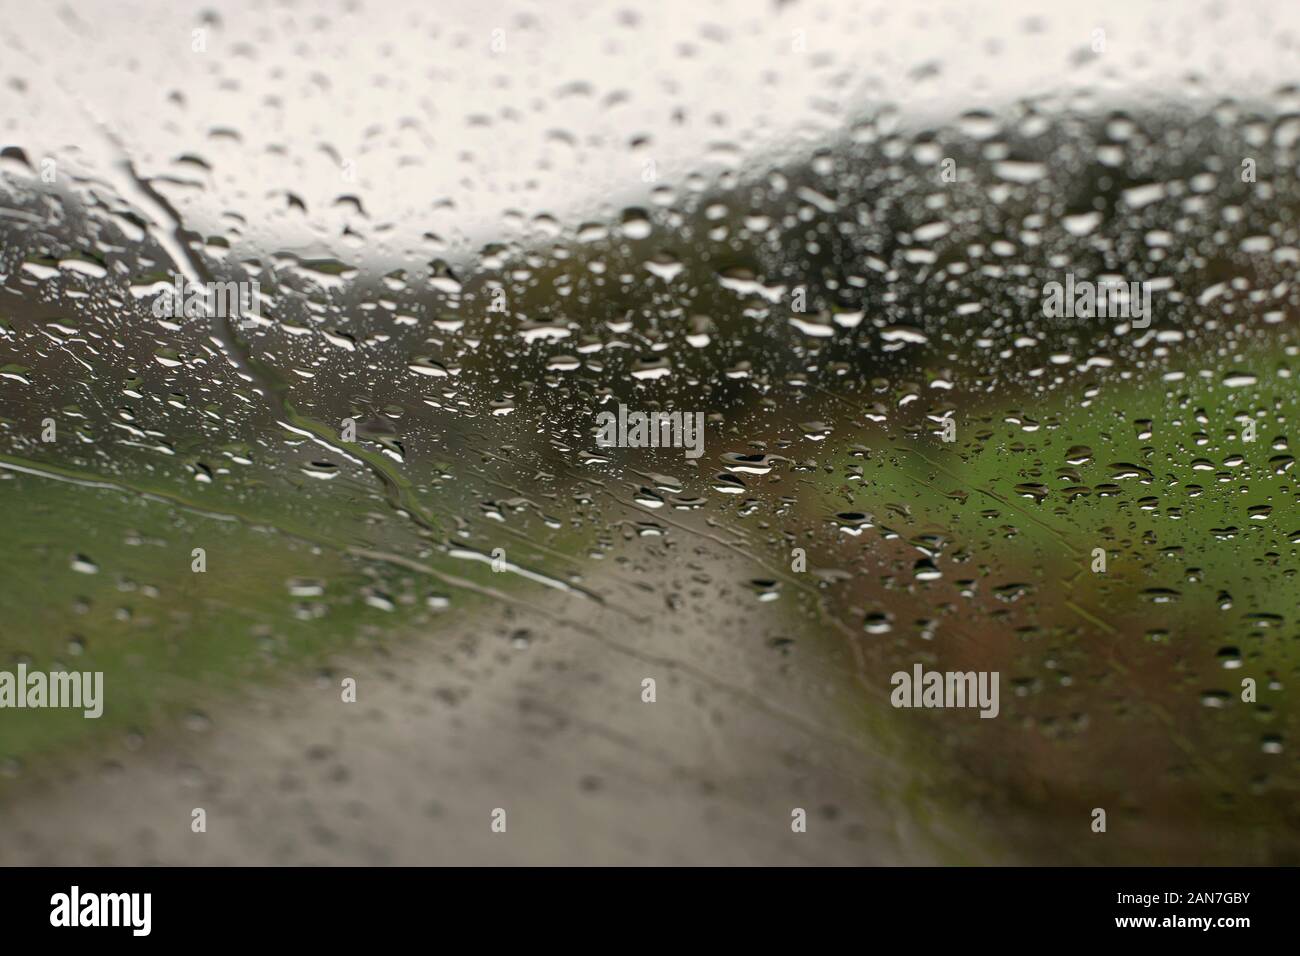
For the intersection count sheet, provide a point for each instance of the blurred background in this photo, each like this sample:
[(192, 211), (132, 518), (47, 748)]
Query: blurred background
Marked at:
[(474, 226)]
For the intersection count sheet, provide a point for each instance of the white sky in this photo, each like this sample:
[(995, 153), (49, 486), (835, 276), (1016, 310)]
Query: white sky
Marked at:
[(448, 136)]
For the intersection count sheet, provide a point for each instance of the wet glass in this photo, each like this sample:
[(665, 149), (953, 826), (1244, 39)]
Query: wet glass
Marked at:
[(595, 424)]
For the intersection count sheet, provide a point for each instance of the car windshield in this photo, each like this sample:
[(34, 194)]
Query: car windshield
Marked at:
[(657, 421)]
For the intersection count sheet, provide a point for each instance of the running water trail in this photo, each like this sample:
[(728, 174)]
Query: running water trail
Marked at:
[(172, 236)]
